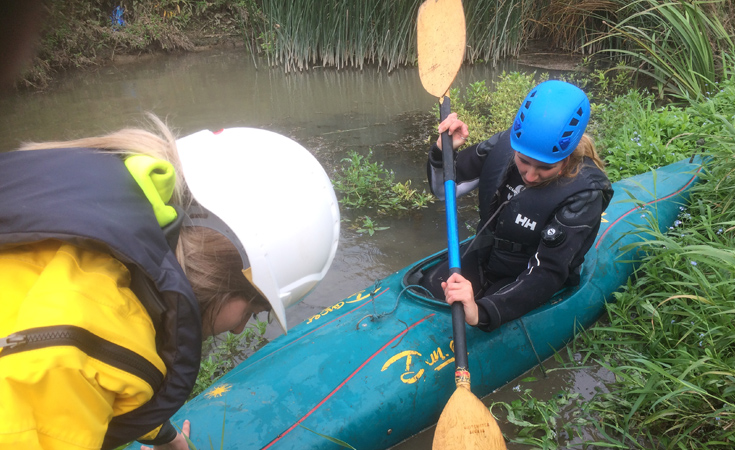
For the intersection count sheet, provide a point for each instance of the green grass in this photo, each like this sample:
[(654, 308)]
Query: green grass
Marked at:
[(223, 353), (669, 337)]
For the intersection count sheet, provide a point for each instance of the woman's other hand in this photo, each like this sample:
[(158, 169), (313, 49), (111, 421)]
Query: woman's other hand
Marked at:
[(179, 442), (456, 128), (458, 289)]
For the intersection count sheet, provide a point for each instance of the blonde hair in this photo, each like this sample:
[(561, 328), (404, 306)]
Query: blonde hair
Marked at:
[(214, 268), (210, 261), (585, 148)]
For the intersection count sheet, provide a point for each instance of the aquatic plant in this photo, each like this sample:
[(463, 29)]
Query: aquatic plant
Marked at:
[(363, 184)]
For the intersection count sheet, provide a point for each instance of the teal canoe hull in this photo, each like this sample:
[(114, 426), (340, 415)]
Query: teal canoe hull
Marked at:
[(376, 368)]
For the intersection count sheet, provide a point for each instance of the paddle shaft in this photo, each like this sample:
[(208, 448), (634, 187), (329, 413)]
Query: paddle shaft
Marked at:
[(450, 201)]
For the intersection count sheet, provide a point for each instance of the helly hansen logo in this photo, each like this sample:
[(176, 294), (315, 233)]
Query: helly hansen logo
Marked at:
[(526, 222)]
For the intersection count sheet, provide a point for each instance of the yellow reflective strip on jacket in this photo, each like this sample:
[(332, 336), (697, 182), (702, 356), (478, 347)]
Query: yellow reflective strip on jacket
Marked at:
[(58, 397), (157, 178), (152, 435)]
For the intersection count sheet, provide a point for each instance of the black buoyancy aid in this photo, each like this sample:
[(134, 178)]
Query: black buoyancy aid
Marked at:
[(88, 198), (520, 222)]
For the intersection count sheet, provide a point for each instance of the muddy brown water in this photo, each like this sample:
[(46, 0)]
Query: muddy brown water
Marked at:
[(329, 112)]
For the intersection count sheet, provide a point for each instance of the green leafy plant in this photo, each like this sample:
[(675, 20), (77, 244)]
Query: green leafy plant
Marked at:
[(633, 135), (365, 184), (540, 422), (487, 110), (364, 224)]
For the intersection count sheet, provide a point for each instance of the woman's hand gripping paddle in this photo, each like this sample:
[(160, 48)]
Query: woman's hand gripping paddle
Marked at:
[(466, 423)]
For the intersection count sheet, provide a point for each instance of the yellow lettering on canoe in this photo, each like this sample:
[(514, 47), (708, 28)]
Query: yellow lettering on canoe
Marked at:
[(326, 311), (438, 358), (354, 298), (408, 376), (362, 295), (436, 355)]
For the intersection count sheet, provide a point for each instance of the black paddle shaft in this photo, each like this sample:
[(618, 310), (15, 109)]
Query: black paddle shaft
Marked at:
[(458, 319)]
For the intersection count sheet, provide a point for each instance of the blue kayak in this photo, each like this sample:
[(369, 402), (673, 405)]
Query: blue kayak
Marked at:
[(378, 367)]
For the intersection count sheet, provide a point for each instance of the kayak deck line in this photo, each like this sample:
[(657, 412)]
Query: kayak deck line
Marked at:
[(639, 208), (343, 383), (347, 313)]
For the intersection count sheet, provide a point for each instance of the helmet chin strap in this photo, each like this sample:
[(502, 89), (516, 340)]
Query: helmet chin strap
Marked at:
[(199, 216)]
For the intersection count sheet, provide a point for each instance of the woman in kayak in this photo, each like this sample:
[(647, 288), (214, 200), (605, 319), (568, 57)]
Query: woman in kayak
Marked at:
[(119, 253), (542, 191)]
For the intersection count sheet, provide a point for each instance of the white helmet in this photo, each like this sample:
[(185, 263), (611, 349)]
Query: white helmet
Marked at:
[(276, 199)]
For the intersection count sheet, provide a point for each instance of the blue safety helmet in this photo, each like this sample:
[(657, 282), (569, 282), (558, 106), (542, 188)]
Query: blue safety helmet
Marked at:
[(551, 121)]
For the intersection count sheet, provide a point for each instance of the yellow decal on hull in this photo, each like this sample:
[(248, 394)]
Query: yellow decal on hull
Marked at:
[(354, 298), (437, 357), (218, 391), (407, 377)]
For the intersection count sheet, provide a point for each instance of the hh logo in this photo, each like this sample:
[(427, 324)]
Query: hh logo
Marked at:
[(526, 222)]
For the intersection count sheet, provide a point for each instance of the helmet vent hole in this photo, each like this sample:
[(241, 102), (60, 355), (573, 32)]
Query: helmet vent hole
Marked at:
[(566, 134), (528, 104), (555, 149), (573, 122), (518, 134), (580, 112), (523, 117)]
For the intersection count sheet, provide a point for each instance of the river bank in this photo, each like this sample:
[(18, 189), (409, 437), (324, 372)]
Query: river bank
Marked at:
[(98, 33), (82, 35)]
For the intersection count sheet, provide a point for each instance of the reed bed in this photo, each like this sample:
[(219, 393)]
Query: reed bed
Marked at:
[(353, 33), (341, 33)]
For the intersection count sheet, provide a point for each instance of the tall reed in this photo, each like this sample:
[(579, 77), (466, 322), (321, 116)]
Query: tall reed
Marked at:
[(682, 45), (352, 33), (341, 33)]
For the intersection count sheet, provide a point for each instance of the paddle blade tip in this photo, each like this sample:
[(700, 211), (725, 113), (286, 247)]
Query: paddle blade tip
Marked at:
[(467, 424)]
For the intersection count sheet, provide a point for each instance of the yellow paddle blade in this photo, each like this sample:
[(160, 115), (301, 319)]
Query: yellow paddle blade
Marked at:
[(440, 35), (467, 424)]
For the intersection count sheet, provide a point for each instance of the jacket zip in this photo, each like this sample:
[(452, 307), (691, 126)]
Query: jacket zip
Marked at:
[(89, 343)]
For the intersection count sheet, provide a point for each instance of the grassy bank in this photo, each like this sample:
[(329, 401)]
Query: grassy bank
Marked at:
[(82, 33), (670, 337)]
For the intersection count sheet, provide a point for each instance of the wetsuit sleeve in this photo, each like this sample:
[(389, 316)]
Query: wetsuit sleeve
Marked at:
[(468, 166), (575, 227)]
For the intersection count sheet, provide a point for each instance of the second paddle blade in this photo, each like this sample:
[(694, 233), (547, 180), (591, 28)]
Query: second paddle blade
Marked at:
[(467, 424)]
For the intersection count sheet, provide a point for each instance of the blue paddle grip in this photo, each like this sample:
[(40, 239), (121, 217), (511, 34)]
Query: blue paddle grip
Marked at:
[(452, 233)]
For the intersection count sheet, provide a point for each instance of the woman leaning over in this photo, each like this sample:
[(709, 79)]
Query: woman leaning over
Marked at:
[(120, 253)]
